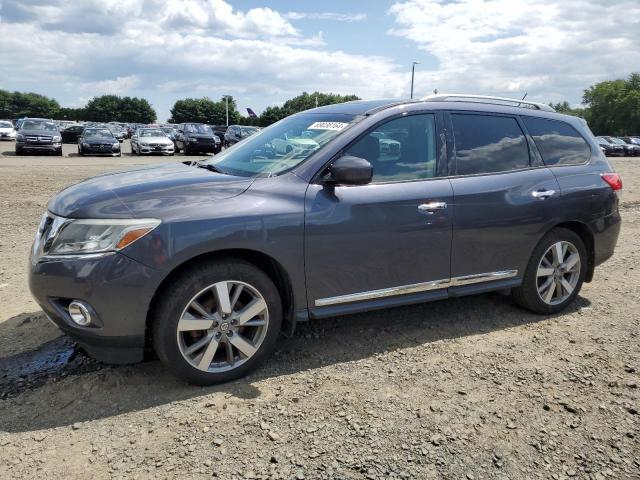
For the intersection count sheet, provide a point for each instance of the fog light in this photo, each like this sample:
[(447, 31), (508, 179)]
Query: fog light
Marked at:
[(79, 313)]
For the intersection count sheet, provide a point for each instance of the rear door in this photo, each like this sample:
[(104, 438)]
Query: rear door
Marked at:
[(505, 199)]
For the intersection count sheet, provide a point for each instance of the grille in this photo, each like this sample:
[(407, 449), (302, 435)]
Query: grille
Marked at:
[(38, 139)]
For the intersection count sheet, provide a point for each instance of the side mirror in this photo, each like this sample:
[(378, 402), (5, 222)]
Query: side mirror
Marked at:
[(349, 170)]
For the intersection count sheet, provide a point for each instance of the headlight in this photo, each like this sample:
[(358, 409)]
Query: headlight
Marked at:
[(85, 144), (57, 138), (20, 137), (144, 144), (86, 236), (117, 144)]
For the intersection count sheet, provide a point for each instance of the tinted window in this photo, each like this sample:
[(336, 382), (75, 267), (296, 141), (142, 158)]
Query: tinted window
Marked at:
[(559, 143), (401, 149), (487, 144)]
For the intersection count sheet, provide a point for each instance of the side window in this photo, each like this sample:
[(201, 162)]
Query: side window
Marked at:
[(559, 143), (401, 149), (488, 144)]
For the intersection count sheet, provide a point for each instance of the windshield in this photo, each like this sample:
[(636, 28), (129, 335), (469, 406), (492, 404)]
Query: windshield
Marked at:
[(617, 141), (151, 133), (248, 130), (197, 128), (169, 130), (6, 125), (38, 125), (282, 146), (98, 132)]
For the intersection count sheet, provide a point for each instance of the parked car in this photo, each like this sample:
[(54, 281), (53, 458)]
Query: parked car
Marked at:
[(209, 261), (632, 140), (72, 133), (630, 150), (38, 135), (219, 131), (235, 133), (197, 138), (117, 132), (170, 132), (610, 149), (7, 131), (98, 141), (151, 141)]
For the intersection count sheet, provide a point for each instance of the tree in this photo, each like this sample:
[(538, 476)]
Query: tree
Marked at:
[(109, 108), (18, 104), (614, 106), (302, 102), (564, 107), (204, 110)]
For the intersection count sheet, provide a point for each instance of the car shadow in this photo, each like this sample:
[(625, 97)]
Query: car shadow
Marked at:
[(57, 385)]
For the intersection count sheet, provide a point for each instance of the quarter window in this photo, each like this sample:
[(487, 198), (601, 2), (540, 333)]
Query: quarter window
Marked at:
[(558, 142), (400, 150), (488, 144)]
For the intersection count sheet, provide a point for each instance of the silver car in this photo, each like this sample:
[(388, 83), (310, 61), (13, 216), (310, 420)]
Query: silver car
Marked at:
[(151, 141)]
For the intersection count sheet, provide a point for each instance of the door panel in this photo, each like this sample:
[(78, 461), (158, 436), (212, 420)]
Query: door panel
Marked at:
[(498, 220), (365, 238)]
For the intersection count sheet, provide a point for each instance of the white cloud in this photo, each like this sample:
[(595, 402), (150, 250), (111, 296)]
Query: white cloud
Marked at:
[(551, 49), (186, 48), (337, 17)]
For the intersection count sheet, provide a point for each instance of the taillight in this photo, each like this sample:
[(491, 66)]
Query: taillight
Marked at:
[(613, 179)]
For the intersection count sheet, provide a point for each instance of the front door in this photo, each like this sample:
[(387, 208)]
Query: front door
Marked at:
[(387, 242)]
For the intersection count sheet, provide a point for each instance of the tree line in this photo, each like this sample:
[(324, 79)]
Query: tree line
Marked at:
[(610, 107), (105, 108)]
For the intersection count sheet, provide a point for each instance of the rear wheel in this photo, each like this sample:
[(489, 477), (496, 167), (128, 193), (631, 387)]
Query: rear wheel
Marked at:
[(555, 273), (217, 322)]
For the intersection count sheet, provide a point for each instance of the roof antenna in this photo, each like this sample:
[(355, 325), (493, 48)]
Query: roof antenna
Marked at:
[(435, 91), (523, 97)]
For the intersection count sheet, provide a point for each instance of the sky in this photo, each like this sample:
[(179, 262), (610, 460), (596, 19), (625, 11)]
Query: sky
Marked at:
[(264, 52)]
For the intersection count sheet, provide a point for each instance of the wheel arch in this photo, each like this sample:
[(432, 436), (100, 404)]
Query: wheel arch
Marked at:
[(264, 262), (585, 233)]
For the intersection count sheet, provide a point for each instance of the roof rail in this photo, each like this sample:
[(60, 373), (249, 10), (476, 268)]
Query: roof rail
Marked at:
[(461, 97)]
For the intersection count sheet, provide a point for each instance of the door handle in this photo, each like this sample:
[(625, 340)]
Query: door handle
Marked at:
[(543, 193), (432, 206)]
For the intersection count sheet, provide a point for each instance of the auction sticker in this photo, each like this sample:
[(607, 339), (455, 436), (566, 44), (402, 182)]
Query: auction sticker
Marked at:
[(327, 126)]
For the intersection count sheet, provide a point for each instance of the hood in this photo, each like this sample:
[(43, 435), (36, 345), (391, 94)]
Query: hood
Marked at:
[(95, 139), (154, 140), (40, 133), (157, 191)]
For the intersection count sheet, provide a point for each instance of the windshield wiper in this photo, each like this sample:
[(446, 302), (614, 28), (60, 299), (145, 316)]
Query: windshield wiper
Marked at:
[(211, 168)]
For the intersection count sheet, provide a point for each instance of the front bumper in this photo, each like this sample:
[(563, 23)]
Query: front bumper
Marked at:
[(35, 147), (101, 150), (204, 146), (118, 290), (162, 150)]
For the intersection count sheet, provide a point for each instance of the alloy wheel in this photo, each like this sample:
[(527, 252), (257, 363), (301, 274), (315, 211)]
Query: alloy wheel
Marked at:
[(558, 272), (223, 326)]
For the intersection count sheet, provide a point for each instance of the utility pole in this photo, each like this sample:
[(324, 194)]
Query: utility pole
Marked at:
[(226, 101), (413, 71)]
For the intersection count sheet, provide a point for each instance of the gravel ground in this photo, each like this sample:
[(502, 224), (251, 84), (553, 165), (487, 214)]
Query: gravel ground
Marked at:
[(467, 388)]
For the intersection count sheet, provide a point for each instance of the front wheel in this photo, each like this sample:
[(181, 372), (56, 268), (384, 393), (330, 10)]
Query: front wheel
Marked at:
[(217, 322), (554, 274)]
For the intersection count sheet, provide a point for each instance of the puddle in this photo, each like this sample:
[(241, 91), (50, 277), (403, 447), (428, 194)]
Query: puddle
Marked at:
[(53, 360)]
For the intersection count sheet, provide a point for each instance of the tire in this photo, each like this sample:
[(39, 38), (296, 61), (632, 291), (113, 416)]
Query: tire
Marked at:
[(530, 294), (197, 284), (18, 152)]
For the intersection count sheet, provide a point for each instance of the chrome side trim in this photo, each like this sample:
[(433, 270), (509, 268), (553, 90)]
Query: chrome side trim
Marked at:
[(382, 293), (482, 277), (417, 287)]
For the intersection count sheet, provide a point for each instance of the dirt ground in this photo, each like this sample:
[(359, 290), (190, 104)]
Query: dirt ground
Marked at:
[(467, 388)]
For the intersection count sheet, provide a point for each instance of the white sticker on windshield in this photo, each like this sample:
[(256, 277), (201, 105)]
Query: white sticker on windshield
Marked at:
[(327, 126)]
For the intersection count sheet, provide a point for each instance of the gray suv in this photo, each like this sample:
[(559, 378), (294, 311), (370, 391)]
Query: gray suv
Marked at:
[(340, 209)]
